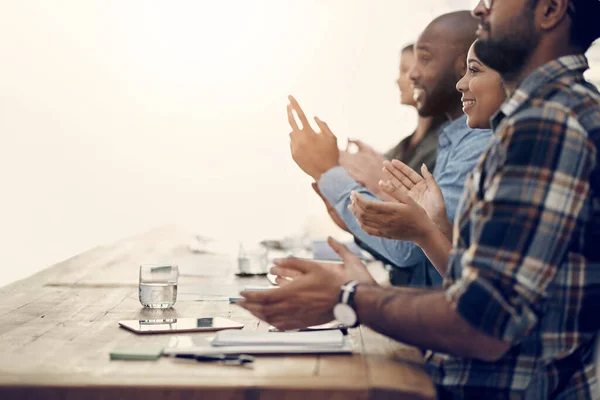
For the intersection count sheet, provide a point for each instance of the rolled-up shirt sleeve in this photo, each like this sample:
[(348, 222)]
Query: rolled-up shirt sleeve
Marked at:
[(522, 221)]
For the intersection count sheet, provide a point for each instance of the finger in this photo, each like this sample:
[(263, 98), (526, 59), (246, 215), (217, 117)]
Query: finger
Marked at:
[(373, 231), (255, 309), (389, 187), (281, 281), (369, 227), (271, 296), (360, 145), (377, 207), (397, 176), (291, 118), (407, 171), (284, 323), (324, 127), (400, 195), (429, 179), (341, 250), (296, 107), (298, 264), (393, 181), (366, 218), (285, 272)]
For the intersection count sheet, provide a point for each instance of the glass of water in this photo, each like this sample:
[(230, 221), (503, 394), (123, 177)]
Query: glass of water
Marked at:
[(252, 261), (158, 285)]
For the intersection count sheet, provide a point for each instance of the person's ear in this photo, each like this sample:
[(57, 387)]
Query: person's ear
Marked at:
[(550, 13)]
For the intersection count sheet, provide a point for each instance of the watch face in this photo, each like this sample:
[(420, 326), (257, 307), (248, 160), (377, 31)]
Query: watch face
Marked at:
[(344, 314)]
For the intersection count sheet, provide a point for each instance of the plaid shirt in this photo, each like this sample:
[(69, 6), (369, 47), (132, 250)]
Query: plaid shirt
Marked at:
[(525, 264)]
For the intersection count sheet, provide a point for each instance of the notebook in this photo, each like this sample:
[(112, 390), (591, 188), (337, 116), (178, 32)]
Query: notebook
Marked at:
[(201, 346), (331, 338)]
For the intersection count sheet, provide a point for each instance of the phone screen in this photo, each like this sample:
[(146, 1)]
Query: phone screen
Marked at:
[(167, 325)]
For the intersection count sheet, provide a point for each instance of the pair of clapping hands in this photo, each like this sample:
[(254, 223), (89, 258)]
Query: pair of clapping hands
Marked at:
[(413, 204)]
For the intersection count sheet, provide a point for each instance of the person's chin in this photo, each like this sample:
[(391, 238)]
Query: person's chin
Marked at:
[(473, 122)]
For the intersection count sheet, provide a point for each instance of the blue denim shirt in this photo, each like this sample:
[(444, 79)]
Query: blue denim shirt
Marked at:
[(459, 149)]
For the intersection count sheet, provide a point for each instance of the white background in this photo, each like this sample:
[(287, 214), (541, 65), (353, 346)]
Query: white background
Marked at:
[(119, 116)]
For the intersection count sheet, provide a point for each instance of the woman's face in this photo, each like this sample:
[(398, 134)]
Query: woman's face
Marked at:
[(407, 61), (482, 92)]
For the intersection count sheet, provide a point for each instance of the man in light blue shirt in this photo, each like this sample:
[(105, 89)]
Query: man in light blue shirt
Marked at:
[(458, 152), (434, 76)]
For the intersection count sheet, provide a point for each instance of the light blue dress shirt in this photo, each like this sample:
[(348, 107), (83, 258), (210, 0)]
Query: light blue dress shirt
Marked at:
[(459, 149)]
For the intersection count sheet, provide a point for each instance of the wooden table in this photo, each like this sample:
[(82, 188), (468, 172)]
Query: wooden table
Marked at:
[(58, 327)]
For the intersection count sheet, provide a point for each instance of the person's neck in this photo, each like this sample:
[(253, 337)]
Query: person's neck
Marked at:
[(544, 53), (423, 125)]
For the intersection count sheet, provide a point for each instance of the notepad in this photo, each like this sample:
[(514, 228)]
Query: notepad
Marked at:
[(333, 338), (136, 353), (202, 346)]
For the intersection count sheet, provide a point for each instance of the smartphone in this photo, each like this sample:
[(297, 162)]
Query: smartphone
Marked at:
[(176, 325)]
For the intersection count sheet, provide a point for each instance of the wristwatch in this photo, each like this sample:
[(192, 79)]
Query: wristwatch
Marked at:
[(345, 310)]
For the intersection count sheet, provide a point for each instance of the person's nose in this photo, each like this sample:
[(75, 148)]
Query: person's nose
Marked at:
[(479, 11), (414, 74), (462, 85)]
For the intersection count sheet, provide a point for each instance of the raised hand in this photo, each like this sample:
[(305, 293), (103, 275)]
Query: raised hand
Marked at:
[(315, 153)]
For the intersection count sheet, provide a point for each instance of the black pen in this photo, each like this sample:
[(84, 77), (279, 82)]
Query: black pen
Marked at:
[(229, 359)]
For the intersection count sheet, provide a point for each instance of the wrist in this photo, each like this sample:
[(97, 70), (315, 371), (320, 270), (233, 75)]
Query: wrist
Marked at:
[(318, 174), (427, 235)]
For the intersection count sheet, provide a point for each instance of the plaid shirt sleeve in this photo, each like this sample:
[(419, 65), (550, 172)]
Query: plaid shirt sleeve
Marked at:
[(524, 210)]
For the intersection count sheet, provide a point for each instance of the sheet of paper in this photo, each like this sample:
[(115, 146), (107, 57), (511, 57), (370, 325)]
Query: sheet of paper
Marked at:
[(182, 344), (331, 338)]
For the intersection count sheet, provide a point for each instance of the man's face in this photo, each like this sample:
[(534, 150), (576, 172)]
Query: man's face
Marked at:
[(507, 35), (434, 75)]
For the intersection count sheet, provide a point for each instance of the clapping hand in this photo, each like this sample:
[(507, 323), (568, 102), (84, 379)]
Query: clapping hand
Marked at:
[(400, 178), (314, 152)]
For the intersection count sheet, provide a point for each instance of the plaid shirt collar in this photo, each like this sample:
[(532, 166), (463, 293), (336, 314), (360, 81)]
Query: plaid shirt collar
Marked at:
[(555, 69)]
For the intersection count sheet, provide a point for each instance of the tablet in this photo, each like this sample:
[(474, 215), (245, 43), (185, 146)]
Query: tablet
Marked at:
[(175, 325)]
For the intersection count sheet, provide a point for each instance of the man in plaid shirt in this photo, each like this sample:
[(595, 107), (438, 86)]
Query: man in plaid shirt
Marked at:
[(520, 308)]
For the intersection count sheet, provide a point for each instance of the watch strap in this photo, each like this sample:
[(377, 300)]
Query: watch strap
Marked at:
[(348, 290)]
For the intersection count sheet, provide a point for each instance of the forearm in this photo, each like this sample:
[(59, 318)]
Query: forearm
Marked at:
[(423, 318), (445, 226), (436, 246)]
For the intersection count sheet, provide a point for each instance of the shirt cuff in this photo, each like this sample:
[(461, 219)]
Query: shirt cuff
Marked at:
[(336, 184)]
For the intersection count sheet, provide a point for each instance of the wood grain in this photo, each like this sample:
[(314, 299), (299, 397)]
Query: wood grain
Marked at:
[(58, 327)]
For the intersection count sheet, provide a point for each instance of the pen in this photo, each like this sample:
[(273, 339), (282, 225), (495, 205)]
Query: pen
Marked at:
[(229, 359)]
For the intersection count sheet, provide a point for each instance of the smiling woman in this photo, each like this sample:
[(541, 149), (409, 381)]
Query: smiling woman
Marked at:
[(482, 91)]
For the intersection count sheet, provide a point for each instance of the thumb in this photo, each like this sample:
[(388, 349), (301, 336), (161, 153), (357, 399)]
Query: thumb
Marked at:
[(362, 146), (429, 179), (341, 250), (324, 127)]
